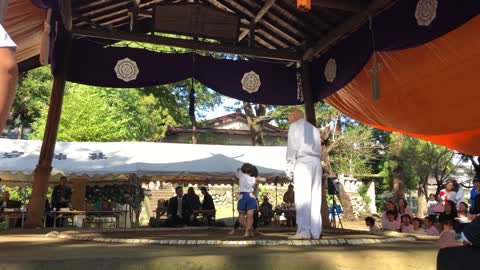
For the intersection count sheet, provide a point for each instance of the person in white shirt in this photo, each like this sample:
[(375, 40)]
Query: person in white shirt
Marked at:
[(406, 226), (247, 177), (370, 222), (397, 218), (428, 227), (432, 202), (448, 235), (303, 164), (391, 224), (8, 75), (417, 226), (403, 208)]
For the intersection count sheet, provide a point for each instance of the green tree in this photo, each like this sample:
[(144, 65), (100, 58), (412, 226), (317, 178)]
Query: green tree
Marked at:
[(104, 114), (33, 92)]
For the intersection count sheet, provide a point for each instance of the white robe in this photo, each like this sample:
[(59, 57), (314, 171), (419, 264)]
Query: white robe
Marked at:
[(303, 160), (5, 40)]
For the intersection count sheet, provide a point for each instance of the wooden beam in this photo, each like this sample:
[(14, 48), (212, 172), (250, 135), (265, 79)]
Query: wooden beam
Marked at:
[(263, 10), (344, 5), (134, 15), (343, 29), (239, 9), (279, 54), (258, 17), (307, 92), (44, 167)]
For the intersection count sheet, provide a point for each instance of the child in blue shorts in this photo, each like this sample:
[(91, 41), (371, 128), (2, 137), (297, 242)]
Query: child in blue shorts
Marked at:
[(247, 177)]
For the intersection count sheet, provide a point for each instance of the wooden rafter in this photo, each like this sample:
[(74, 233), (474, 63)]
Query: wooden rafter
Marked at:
[(274, 18), (279, 54), (346, 27), (258, 17), (249, 15)]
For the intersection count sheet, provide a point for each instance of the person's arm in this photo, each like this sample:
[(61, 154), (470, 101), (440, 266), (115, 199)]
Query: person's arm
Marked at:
[(292, 150), (8, 76)]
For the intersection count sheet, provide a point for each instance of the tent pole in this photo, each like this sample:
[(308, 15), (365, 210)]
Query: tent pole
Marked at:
[(44, 167), (276, 192), (233, 203)]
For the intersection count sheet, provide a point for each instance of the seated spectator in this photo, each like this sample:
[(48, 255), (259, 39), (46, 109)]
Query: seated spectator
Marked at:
[(289, 201), (193, 199), (207, 204), (390, 224), (5, 202), (406, 226), (449, 213), (462, 210), (179, 210), (370, 222), (475, 193), (428, 226), (391, 207), (403, 208), (448, 235), (417, 226), (266, 211), (61, 195)]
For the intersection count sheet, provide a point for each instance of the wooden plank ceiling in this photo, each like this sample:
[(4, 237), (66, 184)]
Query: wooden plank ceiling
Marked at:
[(279, 25)]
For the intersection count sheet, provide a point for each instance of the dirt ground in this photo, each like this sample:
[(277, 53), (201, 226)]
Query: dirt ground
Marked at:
[(35, 251)]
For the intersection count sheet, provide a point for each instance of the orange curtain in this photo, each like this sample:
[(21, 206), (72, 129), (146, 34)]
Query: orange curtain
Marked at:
[(24, 23), (430, 92)]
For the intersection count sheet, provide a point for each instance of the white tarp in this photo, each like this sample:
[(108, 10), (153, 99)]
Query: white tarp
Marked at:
[(142, 158)]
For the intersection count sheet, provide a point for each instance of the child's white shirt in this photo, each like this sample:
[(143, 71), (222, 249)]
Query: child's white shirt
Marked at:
[(245, 181)]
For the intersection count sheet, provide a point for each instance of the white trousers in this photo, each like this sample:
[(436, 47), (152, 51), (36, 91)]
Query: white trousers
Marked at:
[(307, 178)]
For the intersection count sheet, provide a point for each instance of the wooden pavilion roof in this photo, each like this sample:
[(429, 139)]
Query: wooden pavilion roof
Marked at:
[(279, 27)]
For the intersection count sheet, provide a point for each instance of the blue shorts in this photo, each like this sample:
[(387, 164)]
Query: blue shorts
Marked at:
[(247, 202)]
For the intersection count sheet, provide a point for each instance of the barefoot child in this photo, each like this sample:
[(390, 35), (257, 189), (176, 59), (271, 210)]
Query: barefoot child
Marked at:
[(370, 222), (247, 176)]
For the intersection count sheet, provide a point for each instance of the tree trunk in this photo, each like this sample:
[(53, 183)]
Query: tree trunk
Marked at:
[(344, 198), (324, 210), (398, 185), (346, 203), (255, 124)]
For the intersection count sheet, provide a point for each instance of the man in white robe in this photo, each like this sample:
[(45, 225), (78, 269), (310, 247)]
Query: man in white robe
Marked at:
[(304, 165)]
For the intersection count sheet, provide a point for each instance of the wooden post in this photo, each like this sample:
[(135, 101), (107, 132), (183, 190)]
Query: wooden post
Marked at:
[(309, 103), (44, 166), (251, 35)]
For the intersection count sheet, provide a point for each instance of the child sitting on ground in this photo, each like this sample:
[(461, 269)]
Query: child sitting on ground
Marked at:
[(448, 235), (417, 226), (247, 176), (428, 226), (390, 224), (370, 222), (406, 226)]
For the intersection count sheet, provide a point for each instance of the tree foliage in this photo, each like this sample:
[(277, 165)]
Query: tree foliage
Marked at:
[(33, 92)]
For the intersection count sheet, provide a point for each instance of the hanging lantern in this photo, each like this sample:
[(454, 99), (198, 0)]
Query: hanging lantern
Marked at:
[(304, 5)]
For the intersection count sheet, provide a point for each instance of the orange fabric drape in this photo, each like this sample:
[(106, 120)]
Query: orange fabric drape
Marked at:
[(431, 91), (24, 23)]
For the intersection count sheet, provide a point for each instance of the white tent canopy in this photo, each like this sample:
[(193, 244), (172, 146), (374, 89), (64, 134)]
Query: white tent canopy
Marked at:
[(142, 158)]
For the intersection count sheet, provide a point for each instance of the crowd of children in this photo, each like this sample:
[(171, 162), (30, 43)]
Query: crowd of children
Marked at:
[(446, 217)]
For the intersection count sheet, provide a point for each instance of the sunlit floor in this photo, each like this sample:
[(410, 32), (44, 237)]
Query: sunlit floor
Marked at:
[(35, 251)]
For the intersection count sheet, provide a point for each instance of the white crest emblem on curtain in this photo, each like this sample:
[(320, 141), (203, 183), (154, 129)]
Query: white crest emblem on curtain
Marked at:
[(251, 82), (126, 70), (331, 70), (426, 12)]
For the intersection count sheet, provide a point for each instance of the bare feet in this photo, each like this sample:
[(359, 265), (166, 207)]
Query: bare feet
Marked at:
[(232, 232)]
